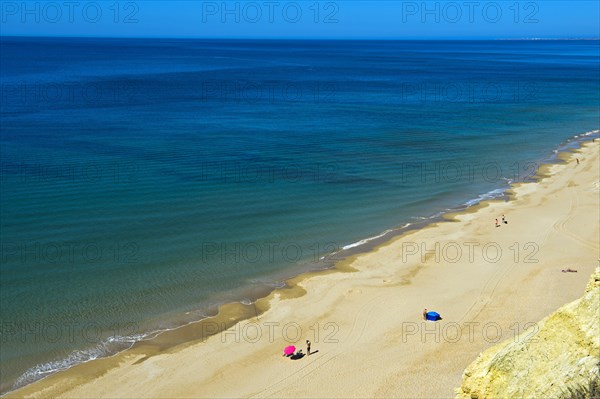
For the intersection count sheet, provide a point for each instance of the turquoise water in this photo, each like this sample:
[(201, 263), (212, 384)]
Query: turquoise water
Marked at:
[(146, 181)]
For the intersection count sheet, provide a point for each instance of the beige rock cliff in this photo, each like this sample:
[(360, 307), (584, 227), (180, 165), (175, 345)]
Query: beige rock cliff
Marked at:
[(560, 354)]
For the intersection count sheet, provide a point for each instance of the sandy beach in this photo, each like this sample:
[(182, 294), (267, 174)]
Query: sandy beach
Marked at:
[(364, 319)]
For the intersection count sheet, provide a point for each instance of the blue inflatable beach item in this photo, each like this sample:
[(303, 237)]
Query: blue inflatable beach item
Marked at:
[(433, 316)]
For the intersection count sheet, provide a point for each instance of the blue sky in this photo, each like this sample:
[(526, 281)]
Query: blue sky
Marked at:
[(304, 19)]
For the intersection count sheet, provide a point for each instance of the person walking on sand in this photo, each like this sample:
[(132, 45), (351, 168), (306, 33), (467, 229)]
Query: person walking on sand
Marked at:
[(577, 159), (307, 347)]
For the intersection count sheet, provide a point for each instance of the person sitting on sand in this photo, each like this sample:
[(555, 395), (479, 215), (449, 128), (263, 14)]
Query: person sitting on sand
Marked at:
[(569, 270), (497, 224), (504, 220)]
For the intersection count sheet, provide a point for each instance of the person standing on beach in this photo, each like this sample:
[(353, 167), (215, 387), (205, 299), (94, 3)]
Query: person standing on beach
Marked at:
[(307, 347), (577, 161), (425, 314)]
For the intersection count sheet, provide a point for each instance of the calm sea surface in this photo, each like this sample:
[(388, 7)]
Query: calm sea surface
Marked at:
[(144, 182)]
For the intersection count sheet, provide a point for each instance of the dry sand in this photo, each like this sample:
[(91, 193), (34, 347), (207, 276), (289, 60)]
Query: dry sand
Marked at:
[(371, 341)]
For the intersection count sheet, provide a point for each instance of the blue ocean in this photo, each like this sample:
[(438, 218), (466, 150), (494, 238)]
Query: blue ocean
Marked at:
[(145, 182)]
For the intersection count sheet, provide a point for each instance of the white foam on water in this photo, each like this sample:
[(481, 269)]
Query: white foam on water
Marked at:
[(110, 347), (496, 193), (366, 240)]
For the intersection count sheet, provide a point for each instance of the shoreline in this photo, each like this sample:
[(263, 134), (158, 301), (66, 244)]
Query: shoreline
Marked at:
[(232, 314)]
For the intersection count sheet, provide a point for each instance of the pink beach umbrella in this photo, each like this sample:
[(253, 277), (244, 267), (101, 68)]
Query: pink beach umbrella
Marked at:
[(289, 350)]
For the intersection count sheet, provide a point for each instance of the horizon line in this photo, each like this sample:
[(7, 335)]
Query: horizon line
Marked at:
[(305, 38)]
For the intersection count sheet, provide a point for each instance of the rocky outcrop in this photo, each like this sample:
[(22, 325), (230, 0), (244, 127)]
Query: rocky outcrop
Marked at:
[(561, 358)]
